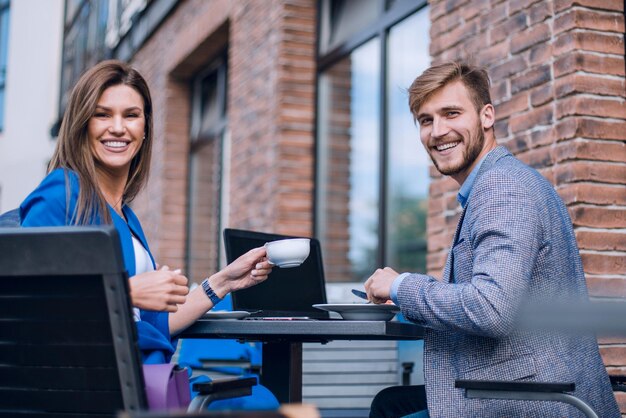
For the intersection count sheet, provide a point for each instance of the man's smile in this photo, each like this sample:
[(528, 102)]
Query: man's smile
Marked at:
[(443, 147)]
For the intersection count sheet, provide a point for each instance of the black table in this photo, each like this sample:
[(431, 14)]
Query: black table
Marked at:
[(282, 348)]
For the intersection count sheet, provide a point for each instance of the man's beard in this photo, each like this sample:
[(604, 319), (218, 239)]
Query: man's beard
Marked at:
[(471, 152)]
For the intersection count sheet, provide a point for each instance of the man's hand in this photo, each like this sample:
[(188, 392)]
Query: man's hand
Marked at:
[(159, 290), (378, 286)]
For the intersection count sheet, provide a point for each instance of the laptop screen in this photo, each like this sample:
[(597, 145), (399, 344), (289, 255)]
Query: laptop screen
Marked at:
[(287, 291)]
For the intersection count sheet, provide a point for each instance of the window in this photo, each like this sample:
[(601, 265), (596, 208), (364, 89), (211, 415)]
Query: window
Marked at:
[(207, 174), (4, 46), (83, 41), (372, 177)]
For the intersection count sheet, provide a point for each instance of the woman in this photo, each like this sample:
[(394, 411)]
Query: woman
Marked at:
[(100, 164)]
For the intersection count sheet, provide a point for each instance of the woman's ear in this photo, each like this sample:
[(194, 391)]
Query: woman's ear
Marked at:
[(487, 116)]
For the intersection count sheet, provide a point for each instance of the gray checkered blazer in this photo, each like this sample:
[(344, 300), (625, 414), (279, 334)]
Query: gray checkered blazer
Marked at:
[(514, 243)]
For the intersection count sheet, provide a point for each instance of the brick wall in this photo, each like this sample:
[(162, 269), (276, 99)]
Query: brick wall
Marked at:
[(271, 112), (271, 53), (557, 70)]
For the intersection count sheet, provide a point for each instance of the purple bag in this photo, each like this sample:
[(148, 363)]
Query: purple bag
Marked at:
[(167, 387)]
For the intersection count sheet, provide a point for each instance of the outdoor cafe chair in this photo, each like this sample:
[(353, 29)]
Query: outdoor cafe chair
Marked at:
[(68, 342), (10, 218)]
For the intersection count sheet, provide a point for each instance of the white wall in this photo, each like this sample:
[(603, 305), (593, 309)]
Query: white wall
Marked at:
[(32, 91)]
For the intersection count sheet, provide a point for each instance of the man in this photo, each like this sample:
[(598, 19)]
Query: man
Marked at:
[(514, 244)]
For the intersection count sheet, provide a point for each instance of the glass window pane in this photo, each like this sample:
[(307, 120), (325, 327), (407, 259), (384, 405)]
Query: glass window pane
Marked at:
[(408, 178), (207, 184), (4, 42), (204, 210), (210, 110), (346, 18), (348, 192)]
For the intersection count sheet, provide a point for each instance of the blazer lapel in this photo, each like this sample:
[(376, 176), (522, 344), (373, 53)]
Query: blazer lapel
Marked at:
[(448, 271), (492, 157)]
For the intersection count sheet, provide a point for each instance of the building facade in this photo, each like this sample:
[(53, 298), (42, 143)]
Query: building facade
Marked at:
[(31, 33), (291, 116)]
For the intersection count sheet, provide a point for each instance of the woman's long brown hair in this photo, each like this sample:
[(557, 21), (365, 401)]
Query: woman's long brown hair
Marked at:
[(73, 150)]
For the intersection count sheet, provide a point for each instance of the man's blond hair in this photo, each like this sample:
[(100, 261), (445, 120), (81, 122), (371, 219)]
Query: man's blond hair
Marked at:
[(475, 79)]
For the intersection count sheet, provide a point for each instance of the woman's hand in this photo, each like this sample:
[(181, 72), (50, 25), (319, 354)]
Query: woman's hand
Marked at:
[(159, 290), (249, 269)]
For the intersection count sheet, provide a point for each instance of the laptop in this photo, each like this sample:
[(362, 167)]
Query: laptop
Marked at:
[(288, 292)]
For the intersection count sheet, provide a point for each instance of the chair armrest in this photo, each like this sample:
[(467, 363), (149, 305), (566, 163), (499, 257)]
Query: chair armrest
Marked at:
[(496, 385), (222, 385), (211, 363)]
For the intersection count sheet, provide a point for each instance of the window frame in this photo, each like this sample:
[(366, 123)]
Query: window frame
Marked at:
[(198, 140), (390, 16)]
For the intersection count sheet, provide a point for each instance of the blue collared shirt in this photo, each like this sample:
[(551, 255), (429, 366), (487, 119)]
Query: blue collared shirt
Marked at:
[(466, 187), (462, 197)]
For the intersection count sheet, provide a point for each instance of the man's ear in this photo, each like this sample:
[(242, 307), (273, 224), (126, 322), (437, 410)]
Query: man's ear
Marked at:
[(487, 116)]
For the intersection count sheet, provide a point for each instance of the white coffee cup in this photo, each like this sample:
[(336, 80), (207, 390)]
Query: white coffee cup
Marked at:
[(287, 253)]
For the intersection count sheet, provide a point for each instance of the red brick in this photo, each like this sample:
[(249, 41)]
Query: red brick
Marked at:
[(532, 36), (590, 106), (439, 241), (539, 54), (475, 43), (437, 9), (542, 95), (616, 5), (585, 40), (532, 119), (518, 143), (517, 5), (540, 12), (588, 62), (452, 5), (496, 14), (588, 83), (435, 262), (602, 129), (600, 195), (602, 240), (537, 158), (531, 78), (510, 26), (541, 137), (493, 53), (620, 397), (613, 355), (477, 7), (501, 128), (443, 185), (443, 24), (454, 36), (591, 171), (514, 65), (515, 104), (591, 150), (598, 217), (603, 263), (589, 19)]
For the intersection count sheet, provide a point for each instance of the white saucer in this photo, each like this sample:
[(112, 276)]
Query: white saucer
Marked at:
[(361, 311), (226, 315)]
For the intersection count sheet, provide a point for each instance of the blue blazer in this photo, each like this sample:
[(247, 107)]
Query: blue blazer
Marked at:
[(514, 244), (49, 205)]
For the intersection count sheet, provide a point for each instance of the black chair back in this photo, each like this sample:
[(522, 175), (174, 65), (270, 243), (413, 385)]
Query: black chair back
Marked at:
[(68, 344)]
